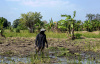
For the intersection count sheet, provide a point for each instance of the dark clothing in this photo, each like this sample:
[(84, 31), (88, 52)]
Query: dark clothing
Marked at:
[(40, 40)]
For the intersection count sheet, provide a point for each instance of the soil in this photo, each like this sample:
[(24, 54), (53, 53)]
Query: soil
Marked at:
[(21, 46)]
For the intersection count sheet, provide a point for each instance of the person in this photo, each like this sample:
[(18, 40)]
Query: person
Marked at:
[(40, 41)]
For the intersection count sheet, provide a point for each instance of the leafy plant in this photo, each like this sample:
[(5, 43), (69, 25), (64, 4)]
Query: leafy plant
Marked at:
[(71, 23), (18, 30)]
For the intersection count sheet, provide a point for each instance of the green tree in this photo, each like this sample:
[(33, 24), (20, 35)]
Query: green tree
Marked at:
[(21, 26), (1, 25), (16, 23), (9, 24), (39, 25), (5, 23), (30, 19)]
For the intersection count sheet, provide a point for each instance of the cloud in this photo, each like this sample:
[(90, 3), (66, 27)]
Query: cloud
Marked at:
[(44, 3)]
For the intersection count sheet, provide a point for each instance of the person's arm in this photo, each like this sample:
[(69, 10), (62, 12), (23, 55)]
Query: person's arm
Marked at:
[(46, 41)]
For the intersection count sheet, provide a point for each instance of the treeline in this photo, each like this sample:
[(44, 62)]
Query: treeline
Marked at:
[(32, 22)]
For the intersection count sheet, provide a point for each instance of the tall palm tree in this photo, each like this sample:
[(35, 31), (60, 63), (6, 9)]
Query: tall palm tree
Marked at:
[(97, 16), (90, 16)]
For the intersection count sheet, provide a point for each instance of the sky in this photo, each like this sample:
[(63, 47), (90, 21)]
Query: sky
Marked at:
[(12, 9)]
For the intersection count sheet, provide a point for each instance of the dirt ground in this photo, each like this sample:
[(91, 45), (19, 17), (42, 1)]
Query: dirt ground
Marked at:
[(21, 46)]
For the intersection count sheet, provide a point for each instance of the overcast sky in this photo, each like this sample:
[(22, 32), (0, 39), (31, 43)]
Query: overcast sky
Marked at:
[(12, 9)]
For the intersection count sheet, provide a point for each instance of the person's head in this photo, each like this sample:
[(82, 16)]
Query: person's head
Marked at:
[(42, 30)]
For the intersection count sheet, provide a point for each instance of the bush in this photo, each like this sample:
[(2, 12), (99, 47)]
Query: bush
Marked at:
[(78, 36), (18, 30), (11, 30)]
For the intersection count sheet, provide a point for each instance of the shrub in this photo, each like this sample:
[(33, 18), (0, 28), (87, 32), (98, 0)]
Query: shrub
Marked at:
[(11, 30), (18, 30), (78, 36)]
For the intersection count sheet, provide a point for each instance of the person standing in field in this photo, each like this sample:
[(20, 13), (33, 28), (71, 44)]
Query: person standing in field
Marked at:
[(40, 41)]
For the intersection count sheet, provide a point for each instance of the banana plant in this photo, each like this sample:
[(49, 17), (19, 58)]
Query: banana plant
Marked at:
[(78, 25), (71, 22), (62, 25), (50, 25), (88, 25)]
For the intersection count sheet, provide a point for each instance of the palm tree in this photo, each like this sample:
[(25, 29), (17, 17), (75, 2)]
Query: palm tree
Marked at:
[(97, 16), (90, 16)]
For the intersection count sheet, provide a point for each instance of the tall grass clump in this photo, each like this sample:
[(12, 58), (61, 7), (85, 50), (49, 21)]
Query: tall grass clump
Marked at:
[(78, 35)]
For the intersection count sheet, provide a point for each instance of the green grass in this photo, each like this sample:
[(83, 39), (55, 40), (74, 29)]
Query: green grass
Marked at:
[(25, 33), (89, 34), (56, 35), (12, 34)]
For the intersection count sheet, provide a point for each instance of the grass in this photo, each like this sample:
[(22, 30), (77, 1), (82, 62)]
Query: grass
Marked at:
[(25, 33), (91, 35), (56, 35), (95, 34)]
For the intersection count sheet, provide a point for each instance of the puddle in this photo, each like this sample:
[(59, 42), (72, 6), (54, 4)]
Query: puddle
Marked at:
[(62, 60), (9, 60)]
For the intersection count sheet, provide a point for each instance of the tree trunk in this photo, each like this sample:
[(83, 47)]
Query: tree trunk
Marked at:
[(73, 37), (69, 30), (31, 30)]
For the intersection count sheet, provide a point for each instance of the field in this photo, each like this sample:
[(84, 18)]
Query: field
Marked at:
[(19, 48)]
